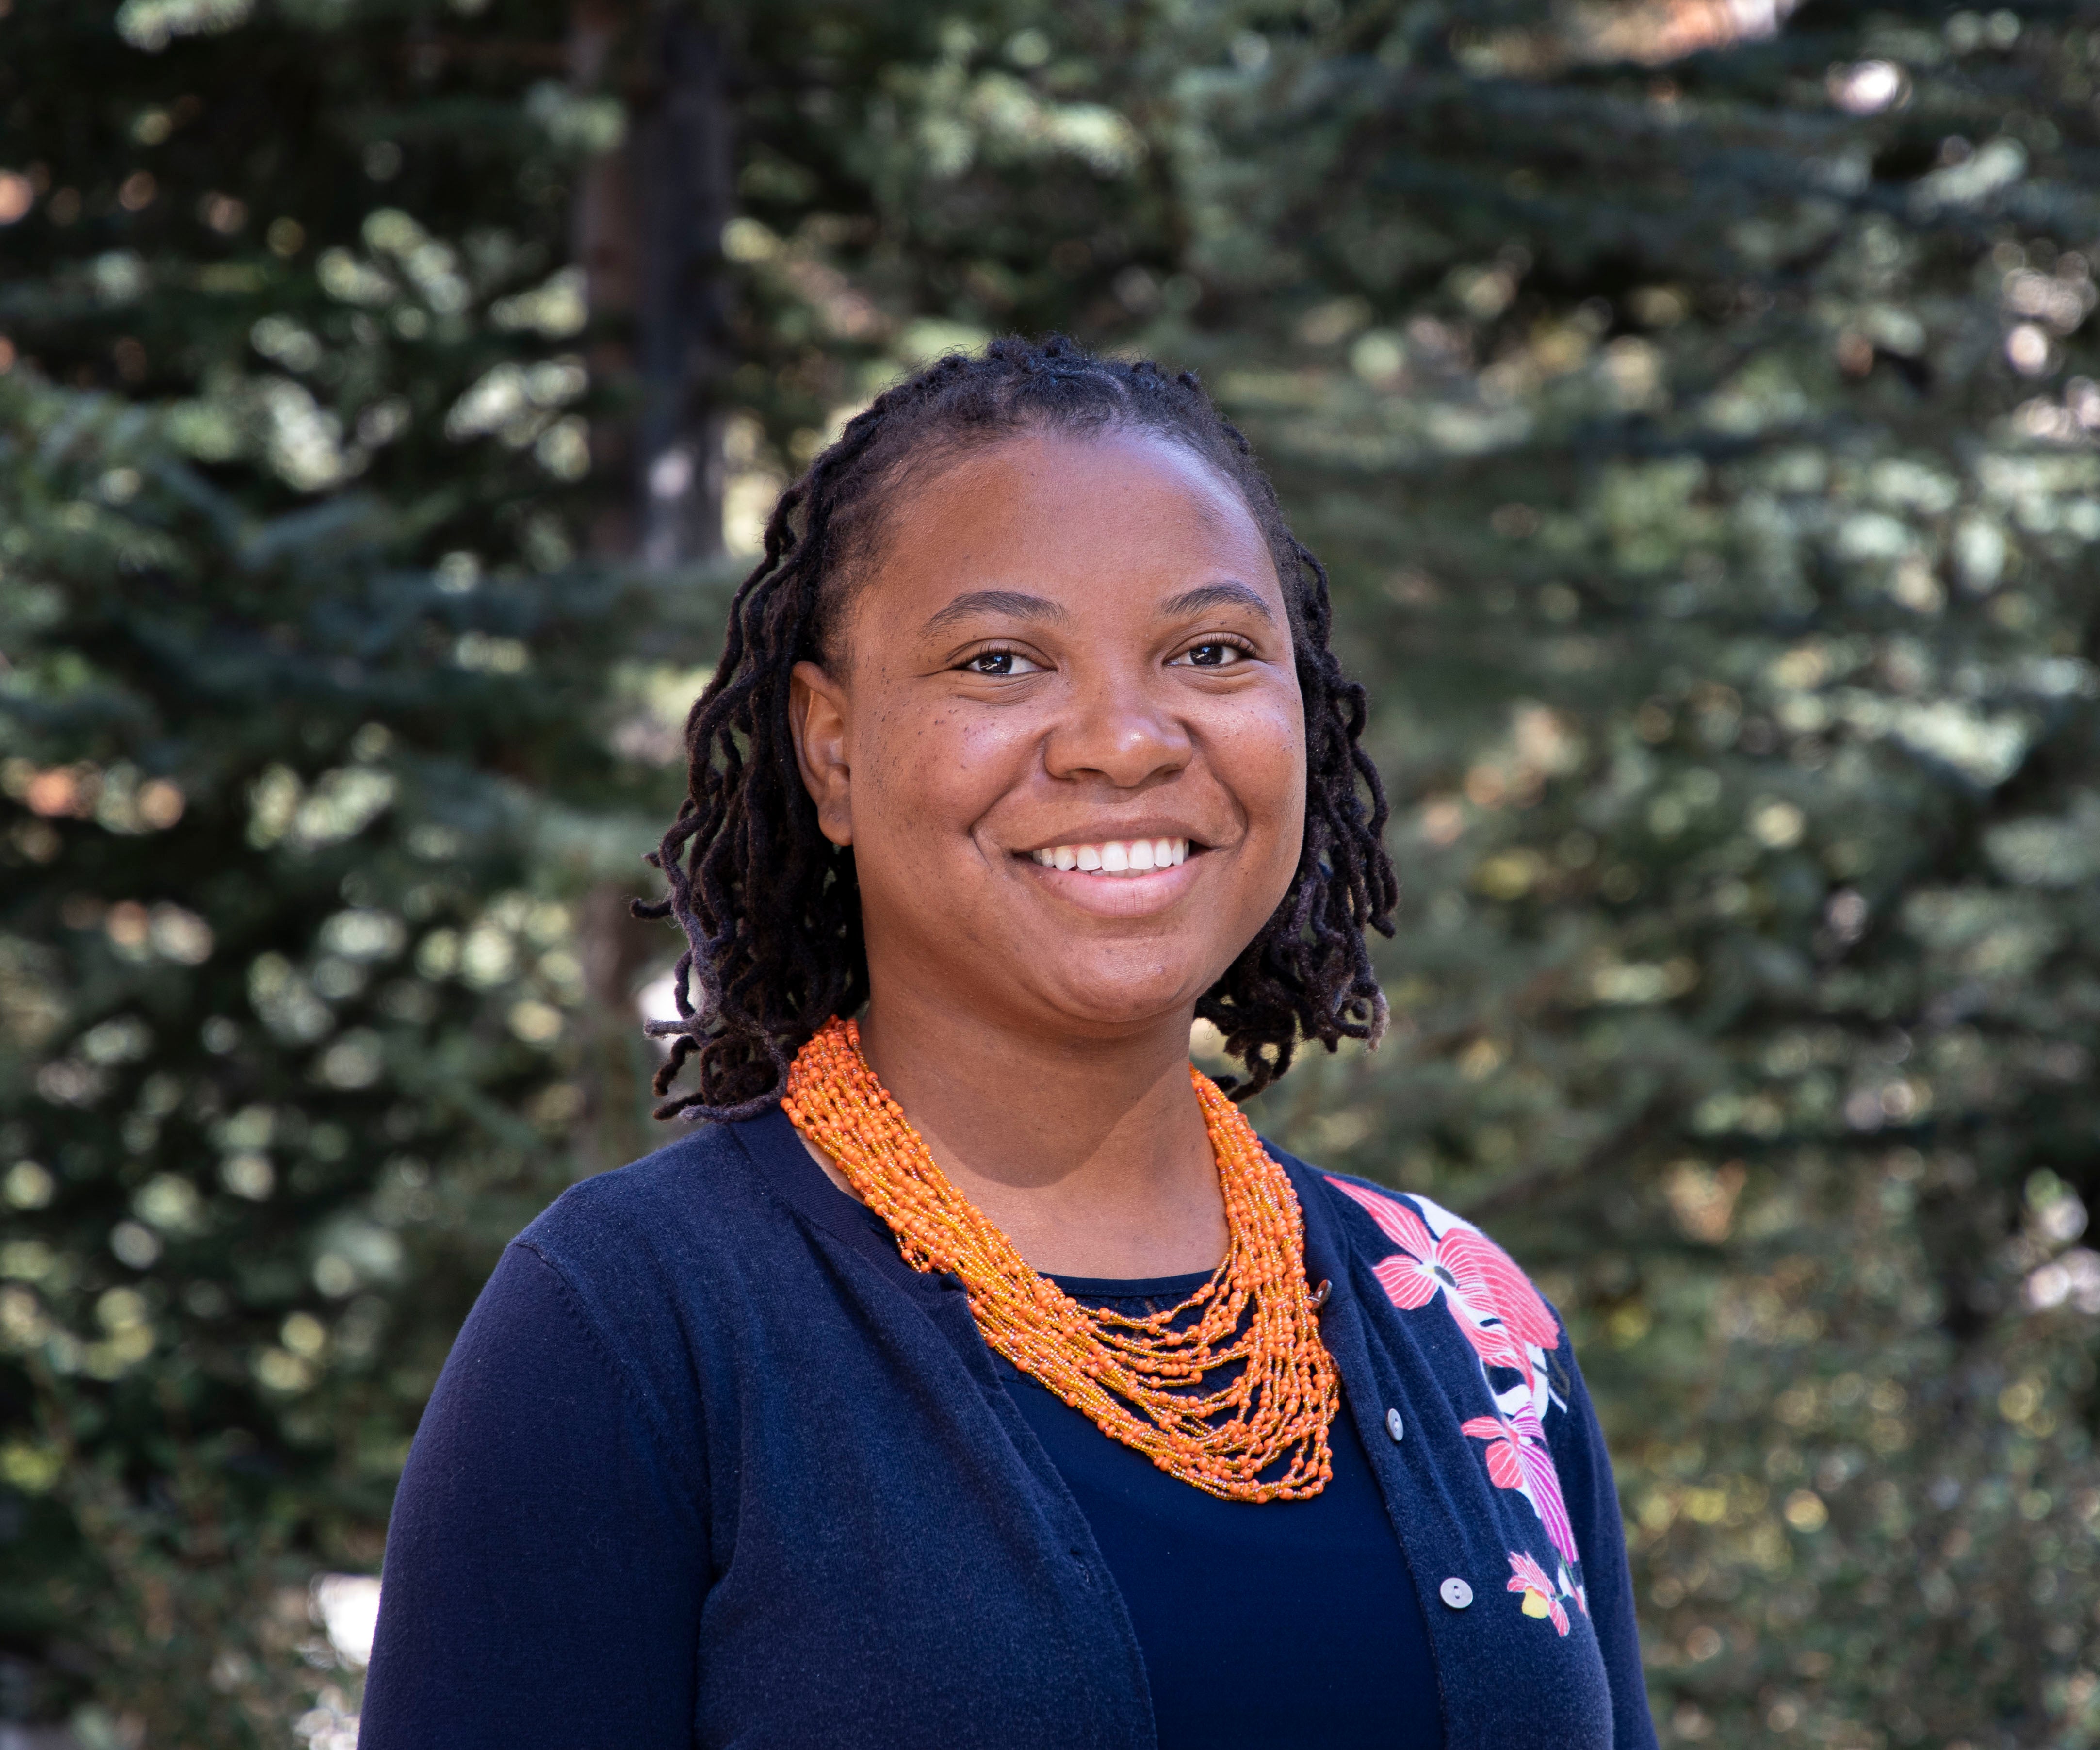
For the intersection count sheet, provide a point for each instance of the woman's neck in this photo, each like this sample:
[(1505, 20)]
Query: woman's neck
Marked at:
[(1090, 1154)]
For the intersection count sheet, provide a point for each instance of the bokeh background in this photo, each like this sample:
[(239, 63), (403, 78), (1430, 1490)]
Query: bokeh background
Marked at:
[(1694, 401)]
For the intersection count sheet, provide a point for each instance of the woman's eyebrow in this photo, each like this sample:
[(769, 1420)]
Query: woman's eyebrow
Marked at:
[(1014, 602), (1215, 595)]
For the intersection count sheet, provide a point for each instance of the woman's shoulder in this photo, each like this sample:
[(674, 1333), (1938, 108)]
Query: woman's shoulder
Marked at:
[(1357, 1197), (1389, 1208), (661, 1269), (692, 1219), (1421, 1251), (1427, 1260), (696, 1180)]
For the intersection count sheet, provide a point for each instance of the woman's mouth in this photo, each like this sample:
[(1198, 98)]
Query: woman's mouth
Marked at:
[(1115, 856)]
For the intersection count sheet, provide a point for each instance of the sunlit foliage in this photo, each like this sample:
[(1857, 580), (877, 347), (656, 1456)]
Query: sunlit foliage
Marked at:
[(310, 750)]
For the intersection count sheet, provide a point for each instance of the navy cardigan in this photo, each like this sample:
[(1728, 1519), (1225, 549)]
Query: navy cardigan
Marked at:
[(815, 1516)]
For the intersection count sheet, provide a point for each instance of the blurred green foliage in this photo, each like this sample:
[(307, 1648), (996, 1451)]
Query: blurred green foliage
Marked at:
[(311, 742), (1700, 424)]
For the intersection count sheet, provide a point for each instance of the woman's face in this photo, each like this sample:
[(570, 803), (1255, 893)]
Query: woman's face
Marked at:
[(1065, 740)]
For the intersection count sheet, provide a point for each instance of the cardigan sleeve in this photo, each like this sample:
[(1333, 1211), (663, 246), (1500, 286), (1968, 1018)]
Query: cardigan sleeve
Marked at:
[(1593, 1510), (546, 1560)]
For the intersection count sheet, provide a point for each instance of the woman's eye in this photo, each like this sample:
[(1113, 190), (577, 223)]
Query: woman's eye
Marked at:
[(999, 663), (1214, 655)]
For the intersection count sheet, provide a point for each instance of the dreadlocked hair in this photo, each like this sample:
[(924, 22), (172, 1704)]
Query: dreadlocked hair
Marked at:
[(771, 908)]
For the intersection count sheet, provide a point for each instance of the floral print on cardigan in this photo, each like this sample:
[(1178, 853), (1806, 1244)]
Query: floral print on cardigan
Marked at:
[(1511, 1328)]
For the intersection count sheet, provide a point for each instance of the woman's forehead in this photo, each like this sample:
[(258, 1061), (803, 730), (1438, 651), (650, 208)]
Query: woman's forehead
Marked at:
[(1137, 503)]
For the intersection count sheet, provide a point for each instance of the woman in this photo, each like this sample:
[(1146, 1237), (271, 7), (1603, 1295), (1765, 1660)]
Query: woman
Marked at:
[(974, 1377)]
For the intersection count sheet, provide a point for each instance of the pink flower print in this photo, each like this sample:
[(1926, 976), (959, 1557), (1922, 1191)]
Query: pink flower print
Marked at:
[(1518, 1458), (1492, 1300), (1530, 1580)]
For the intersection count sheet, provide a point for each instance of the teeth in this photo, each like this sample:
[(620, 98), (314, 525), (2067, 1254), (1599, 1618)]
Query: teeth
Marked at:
[(1116, 857)]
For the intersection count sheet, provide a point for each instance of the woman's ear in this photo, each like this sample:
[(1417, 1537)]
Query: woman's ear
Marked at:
[(818, 711)]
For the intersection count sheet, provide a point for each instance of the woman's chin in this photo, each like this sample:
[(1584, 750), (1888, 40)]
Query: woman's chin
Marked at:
[(1094, 1002)]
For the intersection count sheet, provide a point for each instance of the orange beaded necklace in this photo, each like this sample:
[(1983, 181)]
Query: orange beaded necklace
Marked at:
[(1140, 1379)]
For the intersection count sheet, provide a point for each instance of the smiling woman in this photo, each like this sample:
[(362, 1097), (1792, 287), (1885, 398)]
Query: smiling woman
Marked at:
[(1078, 477), (975, 1375)]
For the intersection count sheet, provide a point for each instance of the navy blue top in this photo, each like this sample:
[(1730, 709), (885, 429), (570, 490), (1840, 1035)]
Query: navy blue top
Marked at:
[(1262, 1624), (710, 1465)]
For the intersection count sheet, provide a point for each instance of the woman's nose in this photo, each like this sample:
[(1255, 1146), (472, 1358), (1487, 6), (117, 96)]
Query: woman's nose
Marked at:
[(1118, 729)]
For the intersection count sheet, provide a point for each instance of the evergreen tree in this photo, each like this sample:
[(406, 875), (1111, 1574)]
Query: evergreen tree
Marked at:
[(311, 742)]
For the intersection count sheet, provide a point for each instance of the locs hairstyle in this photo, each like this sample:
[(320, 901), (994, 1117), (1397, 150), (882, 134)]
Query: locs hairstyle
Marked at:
[(771, 908)]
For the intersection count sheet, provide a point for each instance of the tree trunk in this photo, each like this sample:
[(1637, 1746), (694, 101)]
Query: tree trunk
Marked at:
[(647, 231), (684, 180)]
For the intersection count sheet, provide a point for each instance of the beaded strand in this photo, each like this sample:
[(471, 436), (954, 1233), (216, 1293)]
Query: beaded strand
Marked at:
[(1139, 1379)]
